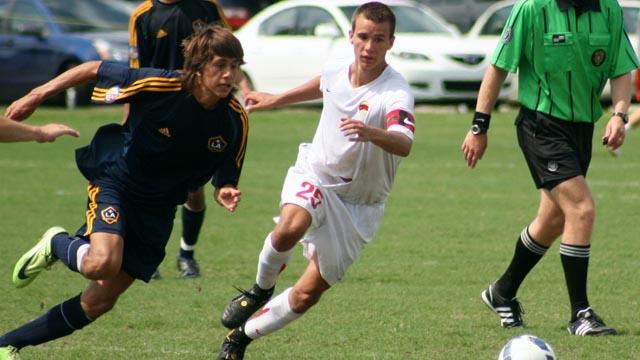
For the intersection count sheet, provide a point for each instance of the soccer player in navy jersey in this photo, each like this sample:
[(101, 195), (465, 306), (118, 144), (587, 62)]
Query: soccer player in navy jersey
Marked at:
[(156, 31), (183, 130)]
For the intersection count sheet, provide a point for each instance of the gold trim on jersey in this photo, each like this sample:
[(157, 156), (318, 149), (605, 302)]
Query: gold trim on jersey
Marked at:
[(133, 36), (93, 191), (154, 83), (237, 107)]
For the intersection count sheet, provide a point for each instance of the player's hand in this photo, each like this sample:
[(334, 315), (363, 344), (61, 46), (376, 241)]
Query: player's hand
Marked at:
[(614, 133), (473, 148), (355, 130), (23, 107), (228, 197), (258, 101), (50, 132)]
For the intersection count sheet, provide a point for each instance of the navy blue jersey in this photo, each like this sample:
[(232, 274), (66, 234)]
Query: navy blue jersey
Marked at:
[(170, 144), (156, 30)]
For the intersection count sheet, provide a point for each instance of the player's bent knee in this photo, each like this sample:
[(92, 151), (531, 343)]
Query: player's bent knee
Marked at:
[(101, 267)]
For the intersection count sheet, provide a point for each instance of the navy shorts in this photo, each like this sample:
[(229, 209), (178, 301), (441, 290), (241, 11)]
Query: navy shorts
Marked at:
[(144, 228), (555, 150)]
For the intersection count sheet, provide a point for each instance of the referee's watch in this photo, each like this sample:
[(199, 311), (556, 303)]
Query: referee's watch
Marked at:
[(477, 129), (621, 115)]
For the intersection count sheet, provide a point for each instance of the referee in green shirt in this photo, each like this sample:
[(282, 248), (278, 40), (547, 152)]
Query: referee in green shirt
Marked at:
[(564, 51)]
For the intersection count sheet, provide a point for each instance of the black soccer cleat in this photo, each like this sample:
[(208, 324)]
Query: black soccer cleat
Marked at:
[(188, 267), (244, 305), (234, 345), (509, 311), (589, 324)]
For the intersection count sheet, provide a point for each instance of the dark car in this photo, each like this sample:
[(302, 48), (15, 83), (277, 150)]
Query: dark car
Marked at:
[(40, 39)]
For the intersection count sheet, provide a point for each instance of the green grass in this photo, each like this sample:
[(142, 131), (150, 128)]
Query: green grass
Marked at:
[(414, 293)]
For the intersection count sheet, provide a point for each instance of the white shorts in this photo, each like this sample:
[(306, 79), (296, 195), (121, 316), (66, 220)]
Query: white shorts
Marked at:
[(339, 229)]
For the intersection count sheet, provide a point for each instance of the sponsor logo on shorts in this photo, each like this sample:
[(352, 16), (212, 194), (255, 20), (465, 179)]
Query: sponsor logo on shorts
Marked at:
[(217, 144), (110, 215), (552, 166)]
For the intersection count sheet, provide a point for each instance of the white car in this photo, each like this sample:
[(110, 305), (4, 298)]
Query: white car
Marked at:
[(290, 42), (487, 29)]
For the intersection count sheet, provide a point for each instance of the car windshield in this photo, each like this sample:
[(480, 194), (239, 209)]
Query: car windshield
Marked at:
[(409, 20), (88, 16)]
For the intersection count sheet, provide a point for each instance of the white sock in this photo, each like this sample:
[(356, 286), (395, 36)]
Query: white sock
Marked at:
[(270, 263), (80, 254), (275, 315)]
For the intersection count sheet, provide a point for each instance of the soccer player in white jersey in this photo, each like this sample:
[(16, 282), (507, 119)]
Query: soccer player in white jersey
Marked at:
[(333, 197)]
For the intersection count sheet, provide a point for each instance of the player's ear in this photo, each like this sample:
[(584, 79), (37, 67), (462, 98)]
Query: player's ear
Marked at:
[(351, 36)]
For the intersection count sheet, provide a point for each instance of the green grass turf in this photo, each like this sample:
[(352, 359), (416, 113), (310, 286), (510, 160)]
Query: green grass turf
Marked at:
[(414, 293)]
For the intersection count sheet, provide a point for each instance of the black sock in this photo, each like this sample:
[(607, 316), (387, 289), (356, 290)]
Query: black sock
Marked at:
[(575, 262), (191, 225), (61, 320), (65, 248), (527, 254)]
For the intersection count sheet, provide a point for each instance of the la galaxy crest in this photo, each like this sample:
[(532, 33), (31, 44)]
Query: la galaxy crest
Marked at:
[(217, 144), (110, 215), (598, 57)]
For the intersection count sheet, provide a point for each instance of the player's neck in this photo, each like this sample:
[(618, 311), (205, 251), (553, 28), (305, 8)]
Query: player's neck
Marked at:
[(205, 98), (359, 76)]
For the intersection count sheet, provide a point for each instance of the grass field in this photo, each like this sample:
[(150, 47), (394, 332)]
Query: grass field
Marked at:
[(414, 293)]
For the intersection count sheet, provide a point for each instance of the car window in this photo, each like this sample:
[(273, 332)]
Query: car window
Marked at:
[(309, 17), (496, 22), (630, 15), (409, 19), (88, 16), (26, 17), (282, 23)]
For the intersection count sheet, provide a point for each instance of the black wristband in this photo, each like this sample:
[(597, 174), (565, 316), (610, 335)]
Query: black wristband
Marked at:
[(482, 120)]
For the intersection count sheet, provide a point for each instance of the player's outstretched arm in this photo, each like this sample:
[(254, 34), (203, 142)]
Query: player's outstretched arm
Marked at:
[(260, 101), (227, 196), (26, 105), (12, 131)]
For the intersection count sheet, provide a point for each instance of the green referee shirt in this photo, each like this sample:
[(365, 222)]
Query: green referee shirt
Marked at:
[(565, 55)]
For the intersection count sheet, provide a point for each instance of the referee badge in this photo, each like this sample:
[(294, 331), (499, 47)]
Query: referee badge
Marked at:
[(507, 35), (598, 57), (110, 215)]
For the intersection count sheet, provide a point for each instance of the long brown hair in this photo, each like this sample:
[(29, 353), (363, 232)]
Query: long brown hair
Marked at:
[(200, 48)]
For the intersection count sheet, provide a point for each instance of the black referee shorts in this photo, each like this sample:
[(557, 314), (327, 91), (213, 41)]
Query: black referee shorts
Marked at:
[(555, 150)]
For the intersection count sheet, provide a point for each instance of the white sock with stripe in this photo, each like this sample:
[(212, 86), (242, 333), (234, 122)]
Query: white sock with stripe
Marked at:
[(270, 264), (275, 315)]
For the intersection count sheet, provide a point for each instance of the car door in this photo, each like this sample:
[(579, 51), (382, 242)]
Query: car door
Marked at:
[(293, 46), (24, 54)]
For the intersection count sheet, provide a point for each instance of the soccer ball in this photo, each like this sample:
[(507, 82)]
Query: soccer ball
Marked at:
[(527, 347)]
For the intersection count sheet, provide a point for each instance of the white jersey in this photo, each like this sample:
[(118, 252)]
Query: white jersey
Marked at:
[(359, 172)]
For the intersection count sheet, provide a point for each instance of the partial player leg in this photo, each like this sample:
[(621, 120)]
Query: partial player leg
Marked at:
[(69, 316), (576, 201), (277, 313), (275, 254), (192, 218), (531, 246)]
